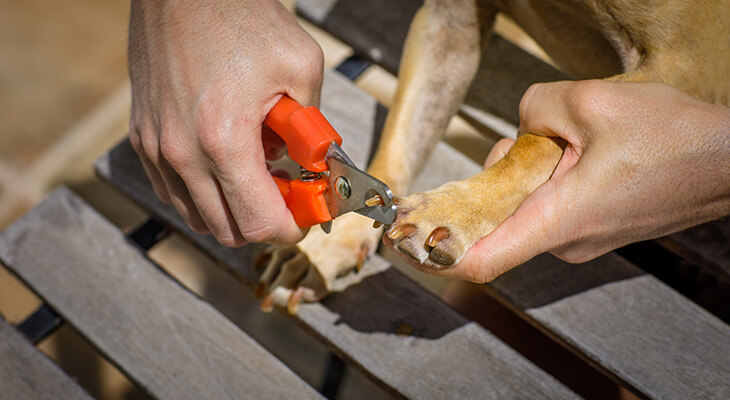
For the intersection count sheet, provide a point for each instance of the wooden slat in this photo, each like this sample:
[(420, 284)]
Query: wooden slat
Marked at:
[(706, 245), (445, 355), (26, 373), (167, 340), (378, 30), (626, 321)]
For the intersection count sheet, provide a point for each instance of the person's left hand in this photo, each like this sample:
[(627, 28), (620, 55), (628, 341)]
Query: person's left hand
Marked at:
[(643, 160)]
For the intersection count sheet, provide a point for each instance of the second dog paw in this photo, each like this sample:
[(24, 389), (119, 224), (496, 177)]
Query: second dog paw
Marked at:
[(306, 271)]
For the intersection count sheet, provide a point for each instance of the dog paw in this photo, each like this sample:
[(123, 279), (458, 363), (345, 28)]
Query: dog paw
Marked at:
[(306, 271), (436, 228)]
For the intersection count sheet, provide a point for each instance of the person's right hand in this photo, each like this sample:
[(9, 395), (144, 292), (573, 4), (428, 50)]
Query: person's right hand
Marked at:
[(204, 76)]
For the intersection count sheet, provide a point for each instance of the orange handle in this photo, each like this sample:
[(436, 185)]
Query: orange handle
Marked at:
[(305, 200), (308, 136), (305, 131)]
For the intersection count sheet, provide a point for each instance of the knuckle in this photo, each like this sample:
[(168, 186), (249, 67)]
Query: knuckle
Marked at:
[(308, 62), (135, 140), (149, 144), (214, 131), (197, 227), (525, 100), (230, 241), (589, 98), (171, 150), (262, 233), (574, 256)]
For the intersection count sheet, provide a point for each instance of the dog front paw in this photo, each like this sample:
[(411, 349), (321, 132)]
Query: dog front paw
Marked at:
[(306, 271), (436, 228)]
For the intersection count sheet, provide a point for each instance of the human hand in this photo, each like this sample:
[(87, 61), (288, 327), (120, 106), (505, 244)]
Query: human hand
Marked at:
[(643, 160), (204, 76)]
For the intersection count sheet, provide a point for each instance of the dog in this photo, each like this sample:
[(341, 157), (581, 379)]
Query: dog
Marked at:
[(680, 42)]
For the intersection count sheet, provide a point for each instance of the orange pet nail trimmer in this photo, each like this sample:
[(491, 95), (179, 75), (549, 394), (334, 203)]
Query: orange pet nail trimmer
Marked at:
[(330, 184)]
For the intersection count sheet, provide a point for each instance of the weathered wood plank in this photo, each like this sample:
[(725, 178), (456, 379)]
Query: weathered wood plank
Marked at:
[(378, 30), (26, 373), (626, 321), (360, 323), (167, 340), (706, 245)]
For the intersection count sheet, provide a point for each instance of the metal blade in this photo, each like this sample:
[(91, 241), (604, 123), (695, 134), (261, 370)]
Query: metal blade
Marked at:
[(349, 187)]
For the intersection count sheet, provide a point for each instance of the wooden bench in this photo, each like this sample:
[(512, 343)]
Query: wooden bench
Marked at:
[(167, 341), (28, 374), (172, 344)]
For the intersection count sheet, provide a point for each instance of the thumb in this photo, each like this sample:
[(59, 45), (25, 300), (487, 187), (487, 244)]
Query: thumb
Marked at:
[(530, 231), (548, 109)]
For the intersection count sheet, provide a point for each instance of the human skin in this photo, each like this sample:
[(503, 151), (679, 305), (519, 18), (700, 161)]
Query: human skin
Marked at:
[(204, 76), (643, 160)]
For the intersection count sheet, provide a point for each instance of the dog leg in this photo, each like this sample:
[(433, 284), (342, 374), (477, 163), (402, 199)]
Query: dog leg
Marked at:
[(437, 227), (440, 59)]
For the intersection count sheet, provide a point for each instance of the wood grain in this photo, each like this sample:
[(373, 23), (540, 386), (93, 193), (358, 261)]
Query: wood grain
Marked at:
[(446, 355), (168, 341), (26, 373)]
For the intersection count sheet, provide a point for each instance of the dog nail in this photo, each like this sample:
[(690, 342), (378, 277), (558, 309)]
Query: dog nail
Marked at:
[(361, 256), (267, 304), (262, 259), (374, 201), (260, 290), (401, 230), (292, 305), (377, 224), (396, 200), (436, 236)]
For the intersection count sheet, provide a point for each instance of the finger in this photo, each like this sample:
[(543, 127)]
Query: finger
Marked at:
[(544, 110), (154, 176), (274, 146), (250, 192), (210, 202), (174, 185), (530, 231), (181, 199), (498, 152)]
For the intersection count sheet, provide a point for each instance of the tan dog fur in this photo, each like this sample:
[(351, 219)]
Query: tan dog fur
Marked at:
[(680, 42)]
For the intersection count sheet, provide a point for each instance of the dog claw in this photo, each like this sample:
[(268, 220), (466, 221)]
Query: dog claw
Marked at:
[(292, 305), (361, 256), (436, 236), (267, 304), (377, 224), (262, 259), (401, 230), (374, 201), (260, 290)]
